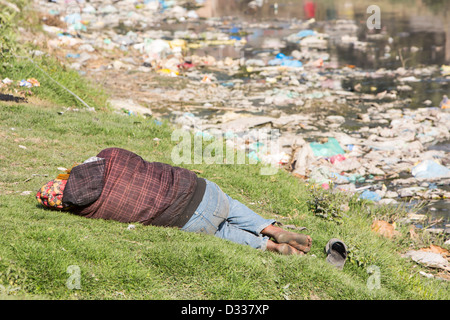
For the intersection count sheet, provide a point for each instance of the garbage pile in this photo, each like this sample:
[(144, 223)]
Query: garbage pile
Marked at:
[(213, 61), (386, 163), (396, 156)]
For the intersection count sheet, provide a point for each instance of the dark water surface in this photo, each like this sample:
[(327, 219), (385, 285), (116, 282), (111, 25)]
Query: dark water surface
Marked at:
[(418, 29), (412, 33)]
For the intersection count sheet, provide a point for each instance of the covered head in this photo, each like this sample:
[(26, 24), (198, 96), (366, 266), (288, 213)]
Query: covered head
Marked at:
[(50, 195)]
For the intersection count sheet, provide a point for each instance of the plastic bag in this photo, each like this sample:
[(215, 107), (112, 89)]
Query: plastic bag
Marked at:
[(328, 149), (370, 195), (430, 169)]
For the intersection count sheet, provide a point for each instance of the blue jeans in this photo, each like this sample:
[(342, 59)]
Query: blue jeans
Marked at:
[(220, 215)]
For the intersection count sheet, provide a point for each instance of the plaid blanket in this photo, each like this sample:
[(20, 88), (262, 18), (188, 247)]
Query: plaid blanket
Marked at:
[(131, 189)]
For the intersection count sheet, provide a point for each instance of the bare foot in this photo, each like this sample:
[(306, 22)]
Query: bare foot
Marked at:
[(299, 241), (282, 248)]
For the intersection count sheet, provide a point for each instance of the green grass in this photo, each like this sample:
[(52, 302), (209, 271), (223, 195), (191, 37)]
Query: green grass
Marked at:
[(55, 81), (38, 246), (18, 61)]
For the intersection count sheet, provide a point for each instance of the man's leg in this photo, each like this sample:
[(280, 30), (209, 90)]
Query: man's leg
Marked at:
[(235, 234), (244, 218), (229, 219)]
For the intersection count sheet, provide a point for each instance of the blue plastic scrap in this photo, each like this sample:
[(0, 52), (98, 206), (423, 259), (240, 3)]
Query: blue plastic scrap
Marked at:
[(306, 33), (283, 60), (370, 195), (430, 169)]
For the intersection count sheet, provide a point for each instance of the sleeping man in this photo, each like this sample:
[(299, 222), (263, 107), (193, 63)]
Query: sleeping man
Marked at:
[(119, 185)]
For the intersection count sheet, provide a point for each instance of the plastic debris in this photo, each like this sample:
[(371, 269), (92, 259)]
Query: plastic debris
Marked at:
[(24, 83), (445, 103), (169, 72), (7, 81), (327, 149), (445, 70), (305, 33), (370, 195), (429, 259), (34, 82), (337, 158), (287, 61), (430, 169)]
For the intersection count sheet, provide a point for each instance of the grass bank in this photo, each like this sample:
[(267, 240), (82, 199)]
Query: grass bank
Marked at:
[(42, 252), (38, 246)]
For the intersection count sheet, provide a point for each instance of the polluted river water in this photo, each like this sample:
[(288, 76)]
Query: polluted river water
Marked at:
[(311, 69)]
